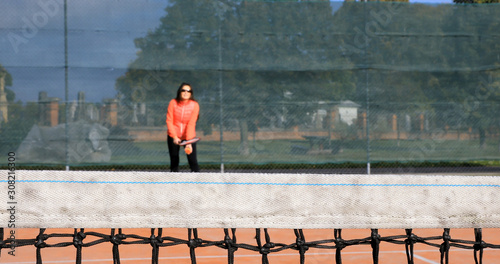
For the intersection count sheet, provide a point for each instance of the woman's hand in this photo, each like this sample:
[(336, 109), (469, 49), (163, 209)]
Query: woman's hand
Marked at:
[(177, 141)]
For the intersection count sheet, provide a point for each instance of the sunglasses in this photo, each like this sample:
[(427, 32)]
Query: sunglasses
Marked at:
[(184, 90)]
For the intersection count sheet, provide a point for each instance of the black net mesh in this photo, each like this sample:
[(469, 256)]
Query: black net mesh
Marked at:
[(263, 244)]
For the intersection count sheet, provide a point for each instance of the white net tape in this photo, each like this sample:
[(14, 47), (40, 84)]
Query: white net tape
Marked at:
[(97, 199)]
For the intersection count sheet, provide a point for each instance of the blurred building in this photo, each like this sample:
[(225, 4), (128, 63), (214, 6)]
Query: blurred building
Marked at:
[(3, 98)]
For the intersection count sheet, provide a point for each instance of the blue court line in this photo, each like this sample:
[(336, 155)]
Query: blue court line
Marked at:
[(261, 183)]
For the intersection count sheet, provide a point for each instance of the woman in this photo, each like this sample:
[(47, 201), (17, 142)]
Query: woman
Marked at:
[(182, 115)]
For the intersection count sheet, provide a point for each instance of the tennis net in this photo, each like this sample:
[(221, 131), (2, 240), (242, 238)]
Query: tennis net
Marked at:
[(310, 216)]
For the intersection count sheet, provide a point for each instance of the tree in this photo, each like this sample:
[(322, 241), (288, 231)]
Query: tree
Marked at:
[(261, 51), (279, 49), (266, 60), (8, 77), (180, 49), (423, 57), (474, 84)]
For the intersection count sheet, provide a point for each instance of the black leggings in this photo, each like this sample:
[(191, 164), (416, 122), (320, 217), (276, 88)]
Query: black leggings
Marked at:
[(174, 149)]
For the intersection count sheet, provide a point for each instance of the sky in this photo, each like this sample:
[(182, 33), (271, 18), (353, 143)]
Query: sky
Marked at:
[(432, 1), (100, 44)]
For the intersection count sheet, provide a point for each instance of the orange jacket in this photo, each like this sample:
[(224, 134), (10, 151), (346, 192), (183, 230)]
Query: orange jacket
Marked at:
[(181, 119)]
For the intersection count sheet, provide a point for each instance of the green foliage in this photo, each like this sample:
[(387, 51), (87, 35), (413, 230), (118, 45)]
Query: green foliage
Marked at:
[(261, 51), (246, 57), (265, 49), (8, 77), (8, 82)]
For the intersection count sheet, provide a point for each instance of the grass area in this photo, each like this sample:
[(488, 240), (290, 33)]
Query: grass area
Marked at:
[(279, 154), (260, 167), (355, 151)]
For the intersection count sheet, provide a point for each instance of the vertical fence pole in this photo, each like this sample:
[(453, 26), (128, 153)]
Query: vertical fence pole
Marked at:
[(368, 169), (66, 104), (221, 130)]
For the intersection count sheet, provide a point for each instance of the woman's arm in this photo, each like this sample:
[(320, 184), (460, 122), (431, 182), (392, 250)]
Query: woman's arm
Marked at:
[(191, 126), (170, 122)]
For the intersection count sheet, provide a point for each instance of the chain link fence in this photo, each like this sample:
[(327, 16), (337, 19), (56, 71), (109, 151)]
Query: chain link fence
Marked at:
[(349, 87)]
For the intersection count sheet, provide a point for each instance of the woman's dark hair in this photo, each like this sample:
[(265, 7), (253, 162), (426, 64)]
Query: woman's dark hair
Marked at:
[(178, 97)]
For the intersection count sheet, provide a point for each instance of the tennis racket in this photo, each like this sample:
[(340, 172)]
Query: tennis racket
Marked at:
[(190, 141)]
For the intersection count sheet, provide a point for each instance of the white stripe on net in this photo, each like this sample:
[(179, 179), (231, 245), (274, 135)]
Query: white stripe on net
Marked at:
[(97, 199)]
